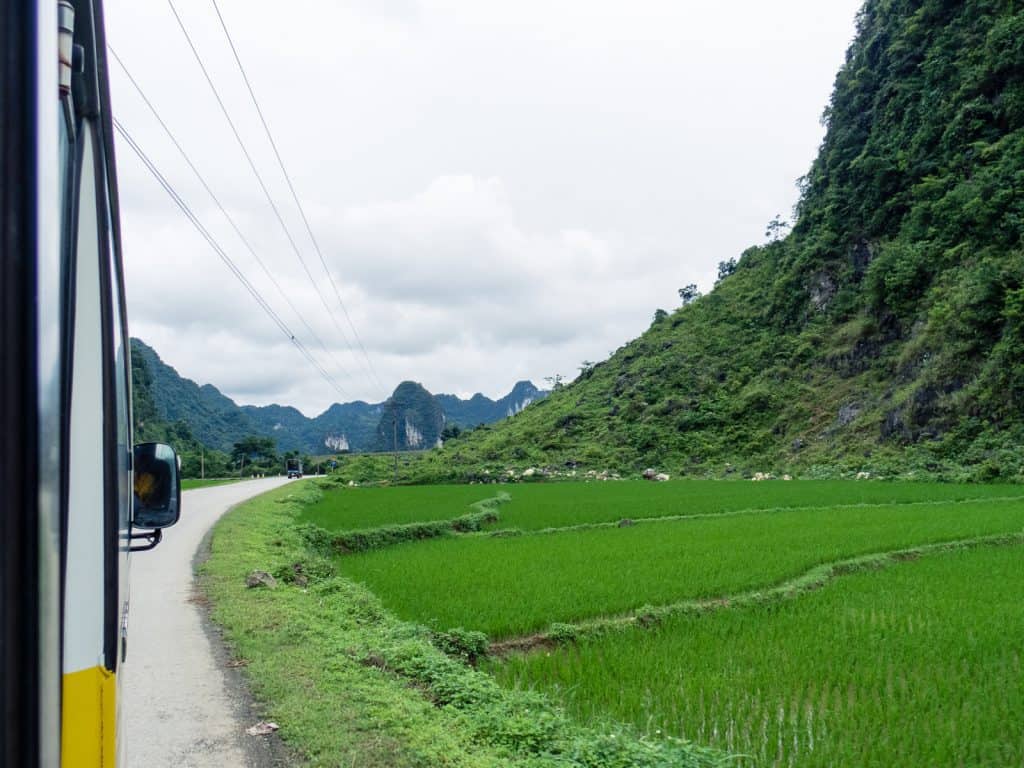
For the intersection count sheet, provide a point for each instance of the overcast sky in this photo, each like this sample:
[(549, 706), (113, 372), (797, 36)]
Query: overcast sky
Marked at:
[(500, 189)]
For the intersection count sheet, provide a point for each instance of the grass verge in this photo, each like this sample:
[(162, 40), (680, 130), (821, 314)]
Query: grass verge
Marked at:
[(191, 483), (350, 684)]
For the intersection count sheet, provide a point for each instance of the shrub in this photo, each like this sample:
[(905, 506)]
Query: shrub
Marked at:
[(462, 644)]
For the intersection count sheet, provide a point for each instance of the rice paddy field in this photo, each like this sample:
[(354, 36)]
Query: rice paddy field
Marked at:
[(536, 506), (512, 586), (916, 663), (347, 509), (920, 665)]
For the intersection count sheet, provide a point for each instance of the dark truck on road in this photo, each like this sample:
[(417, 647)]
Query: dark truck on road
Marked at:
[(293, 468)]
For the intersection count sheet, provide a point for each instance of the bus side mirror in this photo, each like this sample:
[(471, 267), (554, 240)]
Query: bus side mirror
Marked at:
[(157, 486)]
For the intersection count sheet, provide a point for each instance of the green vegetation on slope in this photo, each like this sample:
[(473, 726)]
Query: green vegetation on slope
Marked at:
[(886, 332), (916, 665), (510, 586)]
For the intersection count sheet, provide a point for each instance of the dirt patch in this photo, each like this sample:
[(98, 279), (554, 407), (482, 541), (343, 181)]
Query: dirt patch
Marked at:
[(525, 644)]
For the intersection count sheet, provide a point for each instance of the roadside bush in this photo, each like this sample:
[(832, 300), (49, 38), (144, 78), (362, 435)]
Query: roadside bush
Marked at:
[(462, 644), (563, 633)]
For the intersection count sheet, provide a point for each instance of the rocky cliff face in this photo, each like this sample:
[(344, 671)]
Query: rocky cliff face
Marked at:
[(480, 409), (412, 419)]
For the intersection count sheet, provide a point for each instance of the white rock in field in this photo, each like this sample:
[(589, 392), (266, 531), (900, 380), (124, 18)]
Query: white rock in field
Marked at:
[(529, 472), (863, 475), (786, 477), (661, 477)]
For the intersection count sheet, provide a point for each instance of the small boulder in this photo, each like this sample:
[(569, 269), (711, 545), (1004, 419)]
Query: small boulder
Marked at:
[(649, 474), (260, 579), (847, 414), (661, 477), (627, 523), (262, 728)]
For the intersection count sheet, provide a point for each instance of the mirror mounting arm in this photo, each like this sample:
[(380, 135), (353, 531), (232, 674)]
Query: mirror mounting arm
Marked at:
[(152, 538)]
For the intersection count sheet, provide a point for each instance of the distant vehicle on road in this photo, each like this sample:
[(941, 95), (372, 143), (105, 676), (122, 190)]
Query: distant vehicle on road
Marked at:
[(293, 468)]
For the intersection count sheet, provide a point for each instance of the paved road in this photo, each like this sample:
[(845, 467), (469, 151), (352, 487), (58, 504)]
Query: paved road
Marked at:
[(180, 707)]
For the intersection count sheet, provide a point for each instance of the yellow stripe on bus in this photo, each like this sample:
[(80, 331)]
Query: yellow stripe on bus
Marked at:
[(87, 730)]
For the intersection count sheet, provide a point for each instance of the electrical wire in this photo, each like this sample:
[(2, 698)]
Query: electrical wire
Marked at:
[(253, 291), (259, 177), (295, 196), (223, 210)]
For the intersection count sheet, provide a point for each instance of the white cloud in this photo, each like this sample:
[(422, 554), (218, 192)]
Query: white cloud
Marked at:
[(501, 189), (442, 282)]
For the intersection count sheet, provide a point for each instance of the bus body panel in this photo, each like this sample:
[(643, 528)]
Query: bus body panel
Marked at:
[(65, 396)]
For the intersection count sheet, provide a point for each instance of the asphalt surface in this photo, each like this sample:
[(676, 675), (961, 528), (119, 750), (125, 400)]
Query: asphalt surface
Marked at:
[(180, 704)]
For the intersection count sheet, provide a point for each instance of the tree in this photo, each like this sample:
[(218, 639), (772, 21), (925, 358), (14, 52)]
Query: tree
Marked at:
[(689, 294), (554, 382), (775, 230), (659, 316), (255, 450), (587, 367), (450, 431), (726, 268)]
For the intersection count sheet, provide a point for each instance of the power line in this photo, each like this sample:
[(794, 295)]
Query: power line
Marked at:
[(179, 201), (295, 196), (223, 210), (259, 177)]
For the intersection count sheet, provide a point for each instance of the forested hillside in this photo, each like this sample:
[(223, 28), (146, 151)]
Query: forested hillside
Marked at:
[(884, 333)]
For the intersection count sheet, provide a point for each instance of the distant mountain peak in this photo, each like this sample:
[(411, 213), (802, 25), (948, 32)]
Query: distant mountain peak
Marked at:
[(218, 421)]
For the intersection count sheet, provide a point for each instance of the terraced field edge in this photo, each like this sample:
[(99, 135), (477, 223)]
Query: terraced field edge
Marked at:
[(365, 539), (813, 579)]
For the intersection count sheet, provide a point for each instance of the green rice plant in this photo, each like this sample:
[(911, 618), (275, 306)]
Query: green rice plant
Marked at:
[(510, 586), (535, 506), (558, 505), (918, 665), (347, 509)]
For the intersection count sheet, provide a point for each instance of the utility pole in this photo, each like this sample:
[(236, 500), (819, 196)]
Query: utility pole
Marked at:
[(202, 463), (394, 423)]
